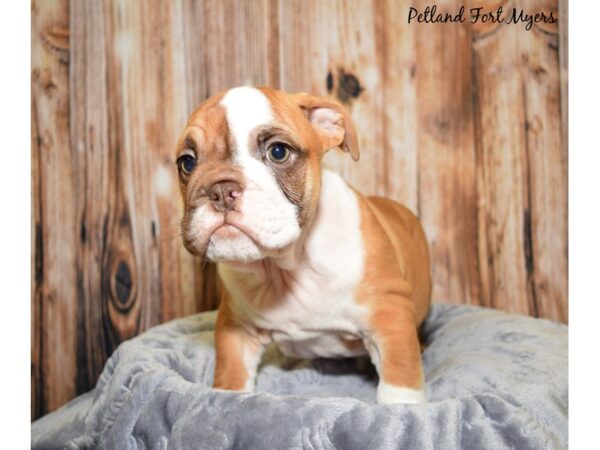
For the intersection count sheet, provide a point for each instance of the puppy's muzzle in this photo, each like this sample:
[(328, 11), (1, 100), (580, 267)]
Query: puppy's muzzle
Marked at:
[(224, 195), (218, 185)]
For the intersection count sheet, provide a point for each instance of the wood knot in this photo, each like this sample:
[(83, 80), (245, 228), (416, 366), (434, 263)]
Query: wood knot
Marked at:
[(348, 86), (122, 286), (57, 37)]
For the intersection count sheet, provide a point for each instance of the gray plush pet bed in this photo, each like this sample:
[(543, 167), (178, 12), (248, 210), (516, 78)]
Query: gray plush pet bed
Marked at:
[(494, 381)]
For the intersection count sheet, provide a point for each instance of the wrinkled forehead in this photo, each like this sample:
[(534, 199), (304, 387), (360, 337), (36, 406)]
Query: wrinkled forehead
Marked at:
[(226, 123)]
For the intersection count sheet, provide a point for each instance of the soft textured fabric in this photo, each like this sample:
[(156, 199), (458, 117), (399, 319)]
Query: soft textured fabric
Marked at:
[(494, 381)]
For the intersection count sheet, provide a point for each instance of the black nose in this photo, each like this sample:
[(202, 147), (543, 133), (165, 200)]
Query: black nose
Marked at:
[(224, 194)]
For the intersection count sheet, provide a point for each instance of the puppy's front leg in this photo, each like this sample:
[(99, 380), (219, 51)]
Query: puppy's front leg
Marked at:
[(393, 345), (238, 354)]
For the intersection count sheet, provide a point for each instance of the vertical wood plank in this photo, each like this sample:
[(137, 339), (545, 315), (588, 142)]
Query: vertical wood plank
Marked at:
[(93, 175), (502, 176), (522, 176), (446, 157), (396, 48), (547, 166), (500, 146), (54, 293)]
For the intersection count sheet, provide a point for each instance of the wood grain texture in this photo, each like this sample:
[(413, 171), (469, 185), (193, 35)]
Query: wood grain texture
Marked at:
[(547, 168), (102, 214), (522, 170), (447, 202), (54, 290), (465, 124)]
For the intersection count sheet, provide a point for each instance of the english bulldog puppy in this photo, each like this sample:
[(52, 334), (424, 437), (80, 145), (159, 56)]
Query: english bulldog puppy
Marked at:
[(306, 261)]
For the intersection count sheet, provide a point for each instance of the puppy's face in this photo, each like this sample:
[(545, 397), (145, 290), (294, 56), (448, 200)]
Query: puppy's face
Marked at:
[(249, 170)]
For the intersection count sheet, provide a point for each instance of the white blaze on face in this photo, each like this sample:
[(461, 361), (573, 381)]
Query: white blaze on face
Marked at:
[(266, 216)]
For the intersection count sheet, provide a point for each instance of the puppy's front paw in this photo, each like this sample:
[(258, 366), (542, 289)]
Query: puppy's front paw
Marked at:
[(388, 394)]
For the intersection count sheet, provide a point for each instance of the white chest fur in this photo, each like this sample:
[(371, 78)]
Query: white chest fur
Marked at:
[(306, 301)]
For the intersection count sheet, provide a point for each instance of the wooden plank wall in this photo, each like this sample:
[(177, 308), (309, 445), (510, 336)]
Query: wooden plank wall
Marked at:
[(465, 124)]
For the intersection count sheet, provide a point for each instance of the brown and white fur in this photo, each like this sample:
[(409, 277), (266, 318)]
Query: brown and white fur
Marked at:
[(306, 261)]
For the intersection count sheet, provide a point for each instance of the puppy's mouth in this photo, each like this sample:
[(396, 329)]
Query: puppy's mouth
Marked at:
[(230, 227), (228, 230)]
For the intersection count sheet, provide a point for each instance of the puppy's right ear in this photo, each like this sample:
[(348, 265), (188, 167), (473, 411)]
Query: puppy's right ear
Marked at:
[(331, 122)]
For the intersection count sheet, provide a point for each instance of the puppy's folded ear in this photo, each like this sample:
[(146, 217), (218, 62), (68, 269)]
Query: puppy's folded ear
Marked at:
[(331, 122)]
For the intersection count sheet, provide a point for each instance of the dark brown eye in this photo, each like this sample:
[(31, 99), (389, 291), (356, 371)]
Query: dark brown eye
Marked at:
[(278, 153), (186, 163)]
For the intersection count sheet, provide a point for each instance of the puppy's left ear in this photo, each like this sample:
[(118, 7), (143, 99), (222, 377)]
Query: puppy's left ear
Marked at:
[(331, 122)]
